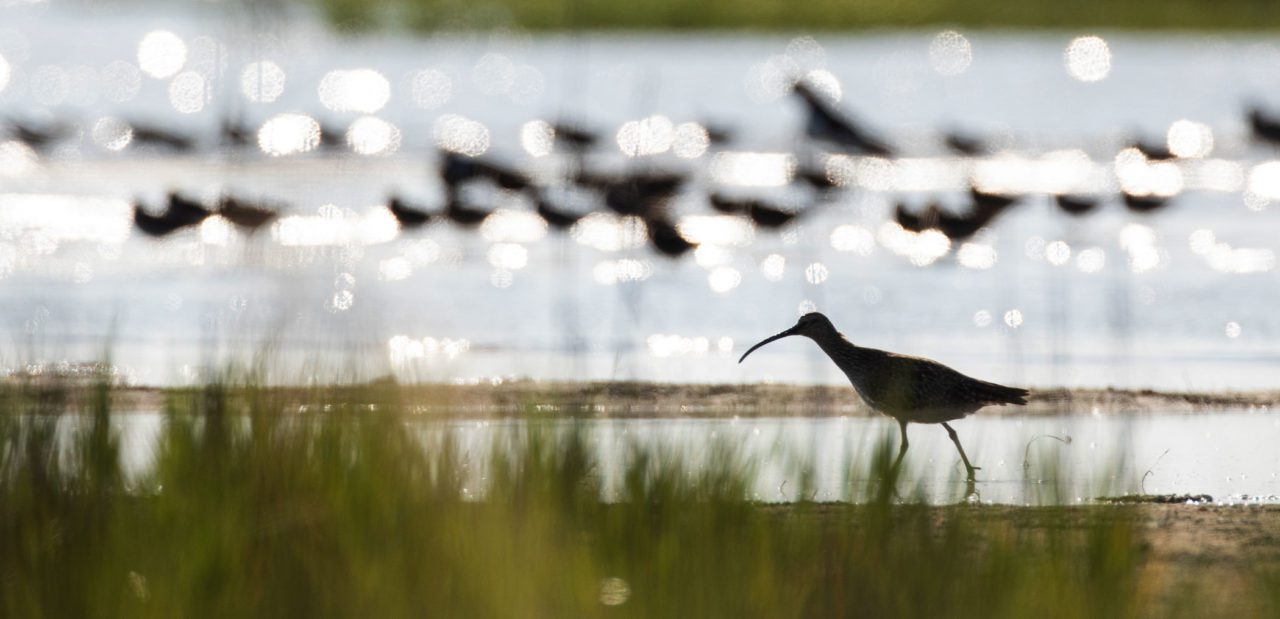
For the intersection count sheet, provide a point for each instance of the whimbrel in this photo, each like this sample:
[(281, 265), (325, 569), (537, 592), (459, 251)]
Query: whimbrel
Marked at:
[(909, 389)]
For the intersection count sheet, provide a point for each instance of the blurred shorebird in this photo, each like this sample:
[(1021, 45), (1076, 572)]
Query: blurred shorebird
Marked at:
[(163, 138), (461, 213), (1076, 205), (666, 238), (1265, 127), (154, 225), (1144, 204), (760, 212), (408, 216), (909, 389), (965, 144), (574, 137), (825, 122), (1153, 151), (556, 216), (249, 216), (185, 211)]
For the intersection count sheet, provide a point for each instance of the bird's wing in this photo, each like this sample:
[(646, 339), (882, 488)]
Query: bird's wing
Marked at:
[(926, 385)]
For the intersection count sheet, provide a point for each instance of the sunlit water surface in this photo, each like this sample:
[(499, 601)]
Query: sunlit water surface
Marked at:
[(1035, 460), (1180, 299)]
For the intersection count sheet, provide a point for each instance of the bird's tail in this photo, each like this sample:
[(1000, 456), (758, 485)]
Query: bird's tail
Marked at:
[(1000, 394)]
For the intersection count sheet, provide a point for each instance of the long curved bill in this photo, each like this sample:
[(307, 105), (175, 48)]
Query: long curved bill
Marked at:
[(766, 341)]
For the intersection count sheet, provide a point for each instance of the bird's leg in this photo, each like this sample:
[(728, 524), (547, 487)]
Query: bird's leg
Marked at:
[(956, 439), (902, 448)]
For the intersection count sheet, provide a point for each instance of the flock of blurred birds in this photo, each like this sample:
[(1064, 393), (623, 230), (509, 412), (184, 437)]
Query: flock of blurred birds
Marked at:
[(642, 193)]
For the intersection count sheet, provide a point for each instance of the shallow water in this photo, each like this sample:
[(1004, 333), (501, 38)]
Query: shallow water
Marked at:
[(1228, 455), (1147, 308)]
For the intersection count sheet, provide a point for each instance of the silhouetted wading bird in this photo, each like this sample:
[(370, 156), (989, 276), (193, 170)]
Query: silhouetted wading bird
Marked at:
[(909, 389), (826, 123)]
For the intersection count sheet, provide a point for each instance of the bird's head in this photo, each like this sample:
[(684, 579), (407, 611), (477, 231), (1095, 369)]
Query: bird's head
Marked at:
[(812, 325)]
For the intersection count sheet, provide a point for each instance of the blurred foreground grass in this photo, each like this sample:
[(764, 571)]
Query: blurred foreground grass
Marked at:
[(822, 15), (345, 510)]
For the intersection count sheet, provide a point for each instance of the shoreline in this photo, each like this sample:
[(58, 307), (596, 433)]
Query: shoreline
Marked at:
[(531, 399)]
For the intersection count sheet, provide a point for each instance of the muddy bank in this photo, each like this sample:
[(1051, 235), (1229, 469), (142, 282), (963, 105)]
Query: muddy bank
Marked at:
[(636, 399)]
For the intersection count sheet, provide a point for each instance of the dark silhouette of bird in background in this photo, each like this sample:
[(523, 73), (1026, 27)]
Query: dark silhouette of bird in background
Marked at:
[(760, 212), (636, 194), (332, 138), (718, 135), (1144, 203), (236, 135), (556, 217), (37, 137), (959, 227), (457, 169), (767, 216), (163, 138), (184, 210), (992, 201), (909, 389), (1076, 205), (1265, 127), (916, 221), (666, 238), (824, 122), (1155, 151), (461, 213), (816, 178), (154, 225), (245, 214), (573, 136), (964, 144), (408, 216)]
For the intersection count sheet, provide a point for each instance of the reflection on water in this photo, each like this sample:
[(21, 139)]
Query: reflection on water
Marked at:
[(1030, 460)]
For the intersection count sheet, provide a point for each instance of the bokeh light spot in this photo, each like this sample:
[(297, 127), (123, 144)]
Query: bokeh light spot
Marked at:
[(354, 90), (262, 81), (161, 54), (950, 53), (287, 134), (1088, 58)]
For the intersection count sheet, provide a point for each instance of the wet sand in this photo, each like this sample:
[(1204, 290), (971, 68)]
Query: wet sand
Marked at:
[(666, 400)]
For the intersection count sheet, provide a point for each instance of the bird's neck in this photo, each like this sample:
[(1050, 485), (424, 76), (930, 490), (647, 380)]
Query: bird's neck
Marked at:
[(850, 357)]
